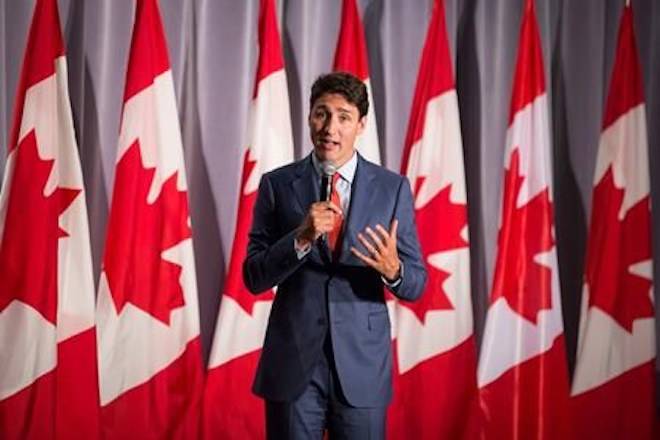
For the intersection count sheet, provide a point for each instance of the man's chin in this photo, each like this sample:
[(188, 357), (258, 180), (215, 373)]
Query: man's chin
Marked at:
[(327, 155)]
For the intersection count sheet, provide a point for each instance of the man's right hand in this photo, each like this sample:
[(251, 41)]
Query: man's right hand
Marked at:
[(320, 219)]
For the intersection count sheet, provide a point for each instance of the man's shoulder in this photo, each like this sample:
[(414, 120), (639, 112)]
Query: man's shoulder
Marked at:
[(288, 171), (382, 174)]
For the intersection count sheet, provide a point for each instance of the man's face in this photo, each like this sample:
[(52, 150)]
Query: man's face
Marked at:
[(334, 124)]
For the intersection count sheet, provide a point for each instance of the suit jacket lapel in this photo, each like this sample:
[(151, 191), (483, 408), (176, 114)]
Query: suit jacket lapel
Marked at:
[(306, 189), (305, 185), (358, 212)]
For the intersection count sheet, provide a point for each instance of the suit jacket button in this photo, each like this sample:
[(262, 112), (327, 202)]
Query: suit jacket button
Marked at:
[(320, 321)]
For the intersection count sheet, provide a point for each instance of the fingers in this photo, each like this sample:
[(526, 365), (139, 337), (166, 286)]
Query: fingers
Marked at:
[(332, 207), (379, 245), (381, 249), (323, 216), (378, 241), (325, 209), (320, 219), (323, 222), (393, 228), (384, 234), (320, 207), (365, 259), (368, 246)]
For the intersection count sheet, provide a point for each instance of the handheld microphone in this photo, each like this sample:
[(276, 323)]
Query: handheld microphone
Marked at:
[(328, 170)]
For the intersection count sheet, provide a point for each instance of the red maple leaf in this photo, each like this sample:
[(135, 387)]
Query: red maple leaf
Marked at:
[(526, 232), (234, 286), (138, 233), (439, 225), (28, 252), (614, 246)]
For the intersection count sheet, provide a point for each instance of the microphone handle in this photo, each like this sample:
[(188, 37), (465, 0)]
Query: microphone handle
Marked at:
[(326, 193)]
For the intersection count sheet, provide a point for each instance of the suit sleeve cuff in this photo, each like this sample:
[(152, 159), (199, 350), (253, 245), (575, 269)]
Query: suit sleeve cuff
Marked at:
[(301, 249), (393, 284)]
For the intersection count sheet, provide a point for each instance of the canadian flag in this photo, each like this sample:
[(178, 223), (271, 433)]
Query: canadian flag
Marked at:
[(614, 375), (523, 379), (48, 383), (230, 408), (435, 354), (351, 57), (150, 360)]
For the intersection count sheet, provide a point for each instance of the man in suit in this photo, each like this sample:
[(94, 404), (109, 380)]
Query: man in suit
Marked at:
[(326, 361)]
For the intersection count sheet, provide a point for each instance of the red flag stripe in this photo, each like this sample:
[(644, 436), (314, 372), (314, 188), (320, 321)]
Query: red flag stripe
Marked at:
[(351, 53), (436, 399), (351, 57), (143, 69), (163, 407), (44, 46), (624, 407), (231, 410), (433, 78), (270, 49), (627, 75), (535, 408), (61, 404), (529, 79), (614, 380)]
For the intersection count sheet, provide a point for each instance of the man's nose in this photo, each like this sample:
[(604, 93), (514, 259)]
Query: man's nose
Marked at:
[(331, 125)]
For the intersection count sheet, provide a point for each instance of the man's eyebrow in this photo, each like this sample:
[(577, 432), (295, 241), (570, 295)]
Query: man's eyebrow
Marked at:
[(325, 107)]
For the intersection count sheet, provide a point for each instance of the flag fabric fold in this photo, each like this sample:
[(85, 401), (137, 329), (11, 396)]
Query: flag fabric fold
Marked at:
[(614, 379), (150, 363), (48, 384), (230, 408), (435, 354), (351, 57), (522, 374)]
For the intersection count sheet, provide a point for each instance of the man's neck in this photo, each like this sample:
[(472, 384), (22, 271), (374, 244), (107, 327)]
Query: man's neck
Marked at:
[(318, 162)]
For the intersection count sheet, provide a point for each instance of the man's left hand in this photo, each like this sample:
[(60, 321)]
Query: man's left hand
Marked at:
[(381, 245)]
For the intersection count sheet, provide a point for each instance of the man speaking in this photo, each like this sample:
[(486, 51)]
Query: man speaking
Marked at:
[(331, 230)]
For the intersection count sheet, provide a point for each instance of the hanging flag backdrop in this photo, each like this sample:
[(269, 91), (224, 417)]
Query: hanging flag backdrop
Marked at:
[(614, 378), (435, 351), (242, 319), (150, 362), (592, 131), (523, 373), (351, 57), (48, 375)]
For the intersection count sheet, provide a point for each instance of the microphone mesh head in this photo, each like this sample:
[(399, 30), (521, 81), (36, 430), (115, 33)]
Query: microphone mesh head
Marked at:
[(328, 168)]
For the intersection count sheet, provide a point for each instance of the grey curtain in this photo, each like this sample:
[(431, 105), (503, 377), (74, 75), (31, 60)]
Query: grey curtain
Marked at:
[(213, 49)]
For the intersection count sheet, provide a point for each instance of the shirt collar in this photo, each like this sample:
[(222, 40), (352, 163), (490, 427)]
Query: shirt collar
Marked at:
[(346, 171)]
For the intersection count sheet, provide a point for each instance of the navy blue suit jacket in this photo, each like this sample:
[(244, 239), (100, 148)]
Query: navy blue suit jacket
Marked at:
[(316, 295)]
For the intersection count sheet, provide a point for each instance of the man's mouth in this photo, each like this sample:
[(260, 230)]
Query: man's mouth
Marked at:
[(327, 143)]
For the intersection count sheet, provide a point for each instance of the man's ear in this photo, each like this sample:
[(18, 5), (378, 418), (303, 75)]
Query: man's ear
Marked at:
[(361, 124)]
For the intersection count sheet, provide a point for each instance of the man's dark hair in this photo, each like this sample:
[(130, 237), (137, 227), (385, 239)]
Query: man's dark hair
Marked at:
[(342, 83)]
